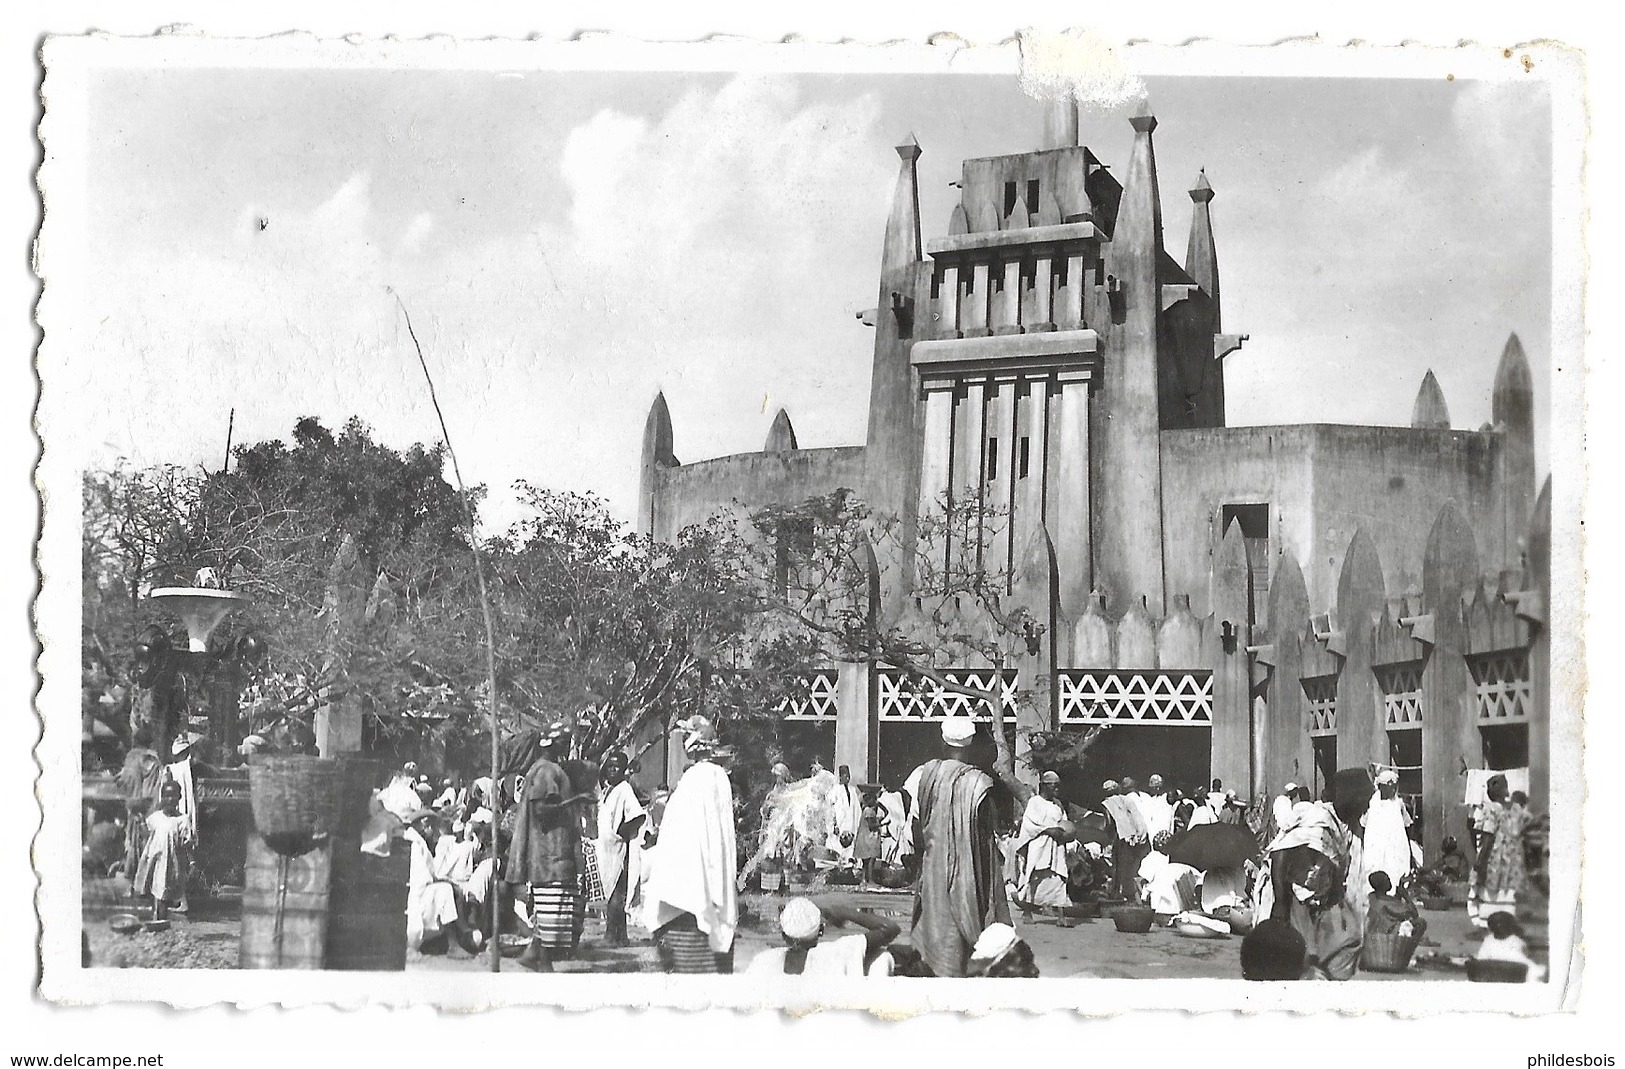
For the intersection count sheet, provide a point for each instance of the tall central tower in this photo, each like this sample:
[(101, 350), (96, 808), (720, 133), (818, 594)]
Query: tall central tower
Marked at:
[(1026, 362)]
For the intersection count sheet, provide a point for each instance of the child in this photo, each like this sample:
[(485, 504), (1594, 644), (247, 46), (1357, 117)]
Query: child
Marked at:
[(1391, 914), (1505, 943), (166, 859)]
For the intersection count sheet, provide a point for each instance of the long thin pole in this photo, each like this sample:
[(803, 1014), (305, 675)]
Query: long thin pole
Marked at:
[(231, 424), (493, 943)]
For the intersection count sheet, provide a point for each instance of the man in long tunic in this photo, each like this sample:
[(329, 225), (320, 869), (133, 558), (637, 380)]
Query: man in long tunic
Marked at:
[(961, 888), (544, 852), (1041, 848), (621, 818), (1386, 847)]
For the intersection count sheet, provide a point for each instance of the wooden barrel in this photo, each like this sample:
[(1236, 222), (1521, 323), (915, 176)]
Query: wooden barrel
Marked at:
[(366, 930), (301, 942)]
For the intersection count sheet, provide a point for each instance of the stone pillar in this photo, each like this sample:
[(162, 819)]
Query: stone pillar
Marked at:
[(1066, 491), (1001, 430), (856, 720), (948, 303), (969, 462), (338, 728), (1005, 315), (1286, 736), (1539, 542), (1449, 715), (936, 462), (973, 303), (1035, 590), (1232, 676), (1068, 311), (1027, 497), (1362, 735), (1041, 318)]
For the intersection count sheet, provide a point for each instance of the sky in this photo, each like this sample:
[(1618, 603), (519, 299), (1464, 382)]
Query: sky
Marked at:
[(569, 244)]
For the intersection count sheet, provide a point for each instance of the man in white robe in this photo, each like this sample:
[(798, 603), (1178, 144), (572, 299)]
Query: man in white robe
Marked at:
[(1155, 808), (846, 810), (621, 820), (1385, 847), (692, 870), (1041, 850)]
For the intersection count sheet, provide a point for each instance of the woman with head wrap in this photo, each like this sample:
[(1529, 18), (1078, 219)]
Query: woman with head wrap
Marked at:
[(1500, 875), (545, 851)]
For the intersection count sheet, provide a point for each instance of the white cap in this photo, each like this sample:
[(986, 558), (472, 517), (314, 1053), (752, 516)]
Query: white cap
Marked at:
[(801, 919), (1050, 777), (1109, 785), (994, 942), (958, 730), (1388, 775), (1289, 788)]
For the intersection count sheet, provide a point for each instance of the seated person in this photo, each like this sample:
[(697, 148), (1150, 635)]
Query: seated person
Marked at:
[(1000, 955), (1505, 943), (1387, 913), (806, 953), (1274, 950)]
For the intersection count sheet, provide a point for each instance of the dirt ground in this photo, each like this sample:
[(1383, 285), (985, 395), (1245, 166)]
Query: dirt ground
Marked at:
[(1092, 949)]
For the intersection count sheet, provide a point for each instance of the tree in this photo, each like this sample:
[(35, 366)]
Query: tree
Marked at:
[(623, 634), (347, 547)]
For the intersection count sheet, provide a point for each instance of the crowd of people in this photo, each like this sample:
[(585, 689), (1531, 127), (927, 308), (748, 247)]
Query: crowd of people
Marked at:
[(1307, 881), (518, 858)]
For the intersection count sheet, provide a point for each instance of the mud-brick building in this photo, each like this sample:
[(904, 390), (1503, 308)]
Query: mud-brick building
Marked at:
[(1258, 604)]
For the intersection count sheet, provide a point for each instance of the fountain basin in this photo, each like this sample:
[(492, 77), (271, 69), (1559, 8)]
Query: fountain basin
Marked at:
[(200, 609)]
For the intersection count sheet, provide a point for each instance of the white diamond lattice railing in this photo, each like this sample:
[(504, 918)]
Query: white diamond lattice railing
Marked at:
[(1321, 693), (819, 704), (1401, 694), (1501, 684), (905, 700), (1088, 696)]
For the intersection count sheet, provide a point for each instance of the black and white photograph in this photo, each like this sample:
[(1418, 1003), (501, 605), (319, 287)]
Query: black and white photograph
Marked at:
[(775, 525)]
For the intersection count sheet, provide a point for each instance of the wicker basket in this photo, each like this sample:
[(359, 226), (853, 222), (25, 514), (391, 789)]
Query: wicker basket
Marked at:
[(1133, 919), (1456, 892), (295, 798), (1387, 952)]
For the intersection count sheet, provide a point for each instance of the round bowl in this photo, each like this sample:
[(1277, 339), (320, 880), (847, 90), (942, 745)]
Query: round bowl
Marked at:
[(1136, 920), (156, 926), (124, 923), (512, 946)]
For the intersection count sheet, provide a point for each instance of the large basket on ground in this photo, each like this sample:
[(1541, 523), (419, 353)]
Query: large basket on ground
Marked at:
[(1387, 952), (1455, 892), (295, 799)]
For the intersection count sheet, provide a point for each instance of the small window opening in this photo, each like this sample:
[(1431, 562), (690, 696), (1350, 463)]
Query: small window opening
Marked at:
[(1009, 197), (992, 458), (1021, 458), (1032, 196), (998, 280), (1060, 270)]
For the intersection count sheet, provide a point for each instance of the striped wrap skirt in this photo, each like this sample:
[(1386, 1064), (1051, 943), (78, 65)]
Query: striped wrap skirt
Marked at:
[(552, 914)]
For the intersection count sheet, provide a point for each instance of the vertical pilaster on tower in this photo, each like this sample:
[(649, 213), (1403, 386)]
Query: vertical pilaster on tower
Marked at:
[(657, 455), (1201, 259), (1512, 408), (892, 459), (1127, 465), (1430, 411)]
